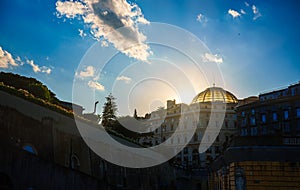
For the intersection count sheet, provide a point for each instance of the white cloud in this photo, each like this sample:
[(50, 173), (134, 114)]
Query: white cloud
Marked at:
[(45, 69), (6, 59), (243, 12), (89, 71), (18, 59), (234, 13), (81, 33), (104, 18), (104, 43), (247, 4), (202, 19), (124, 78), (95, 85), (96, 78), (208, 57), (70, 8), (256, 12), (142, 20), (37, 69)]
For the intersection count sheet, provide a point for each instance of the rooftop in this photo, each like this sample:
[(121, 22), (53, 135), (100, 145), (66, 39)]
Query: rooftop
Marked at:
[(215, 94)]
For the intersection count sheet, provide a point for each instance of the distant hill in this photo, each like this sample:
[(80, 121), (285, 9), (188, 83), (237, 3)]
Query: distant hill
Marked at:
[(33, 86)]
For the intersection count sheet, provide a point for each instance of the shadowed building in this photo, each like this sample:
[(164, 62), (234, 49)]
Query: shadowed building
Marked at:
[(264, 155), (42, 149)]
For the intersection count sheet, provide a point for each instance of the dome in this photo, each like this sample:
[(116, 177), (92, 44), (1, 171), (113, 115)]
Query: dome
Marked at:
[(215, 94)]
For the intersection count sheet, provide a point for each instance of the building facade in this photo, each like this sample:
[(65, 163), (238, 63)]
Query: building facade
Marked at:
[(43, 149), (263, 153), (275, 113), (211, 111)]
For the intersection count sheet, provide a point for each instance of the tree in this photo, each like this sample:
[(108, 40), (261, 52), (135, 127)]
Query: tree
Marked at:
[(40, 91), (135, 114), (109, 112), (33, 86)]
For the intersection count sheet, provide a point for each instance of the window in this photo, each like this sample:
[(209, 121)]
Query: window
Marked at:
[(253, 111), (195, 137), (74, 162), (252, 120), (244, 132), (30, 148), (263, 118), (243, 114), (172, 127), (185, 150), (293, 91), (217, 150), (298, 112), (244, 122), (286, 114), (253, 131), (226, 124), (199, 136), (275, 116), (264, 130)]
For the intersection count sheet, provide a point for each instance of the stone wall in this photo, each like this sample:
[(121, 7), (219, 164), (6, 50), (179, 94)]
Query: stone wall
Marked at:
[(28, 171)]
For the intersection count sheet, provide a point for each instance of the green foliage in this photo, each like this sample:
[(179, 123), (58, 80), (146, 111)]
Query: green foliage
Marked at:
[(33, 86), (109, 112), (30, 97)]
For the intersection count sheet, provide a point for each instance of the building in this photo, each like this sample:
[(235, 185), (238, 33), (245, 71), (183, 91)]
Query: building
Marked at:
[(263, 155), (275, 113), (42, 148), (210, 112)]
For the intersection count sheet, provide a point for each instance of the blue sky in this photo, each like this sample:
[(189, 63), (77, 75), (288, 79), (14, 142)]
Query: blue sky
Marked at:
[(258, 43)]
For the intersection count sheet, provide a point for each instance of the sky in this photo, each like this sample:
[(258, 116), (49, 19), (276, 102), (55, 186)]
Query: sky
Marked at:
[(255, 45)]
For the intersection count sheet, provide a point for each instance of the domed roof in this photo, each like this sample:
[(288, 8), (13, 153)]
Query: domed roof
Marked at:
[(215, 94)]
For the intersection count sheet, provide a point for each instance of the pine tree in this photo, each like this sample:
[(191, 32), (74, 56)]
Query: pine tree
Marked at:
[(135, 114), (109, 112)]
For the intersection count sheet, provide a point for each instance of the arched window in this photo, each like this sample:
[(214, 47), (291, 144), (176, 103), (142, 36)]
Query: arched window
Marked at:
[(30, 148), (75, 162)]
